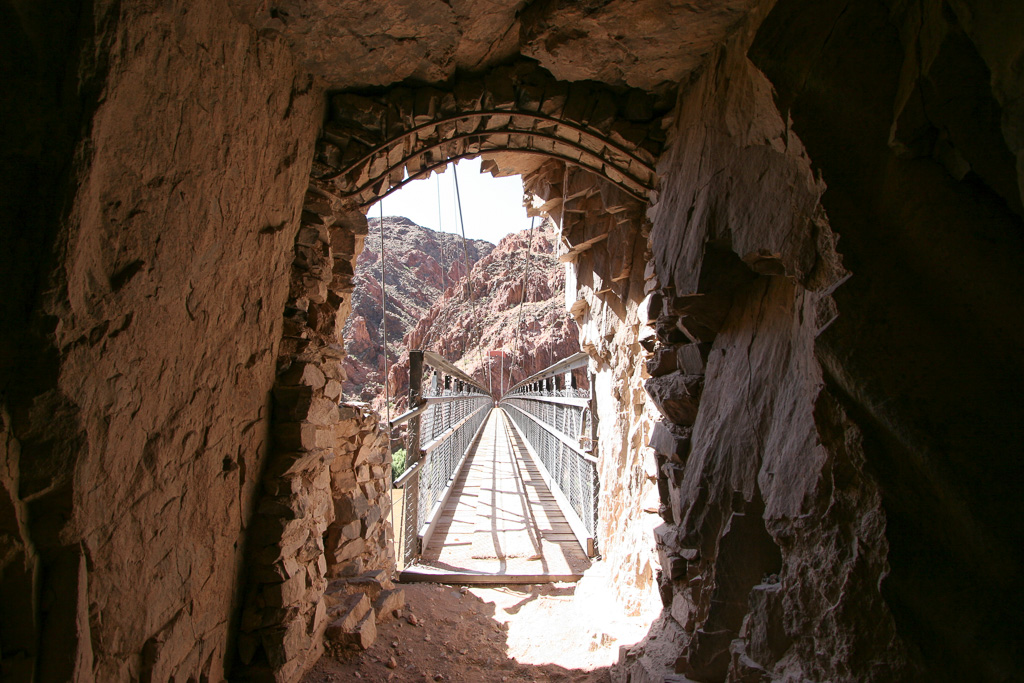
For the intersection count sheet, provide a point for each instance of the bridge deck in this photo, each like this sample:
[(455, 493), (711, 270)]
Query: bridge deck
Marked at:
[(501, 524)]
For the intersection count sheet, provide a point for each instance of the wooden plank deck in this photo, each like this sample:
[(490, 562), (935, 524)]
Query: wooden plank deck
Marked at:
[(501, 524)]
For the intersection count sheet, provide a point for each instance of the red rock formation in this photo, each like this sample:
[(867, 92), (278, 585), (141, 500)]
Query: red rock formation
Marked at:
[(469, 322), (420, 262)]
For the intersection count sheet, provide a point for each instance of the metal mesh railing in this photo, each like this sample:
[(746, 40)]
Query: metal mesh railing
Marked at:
[(446, 433), (444, 418), (555, 417)]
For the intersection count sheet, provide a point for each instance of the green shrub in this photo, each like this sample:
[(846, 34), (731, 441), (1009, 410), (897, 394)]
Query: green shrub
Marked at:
[(398, 462)]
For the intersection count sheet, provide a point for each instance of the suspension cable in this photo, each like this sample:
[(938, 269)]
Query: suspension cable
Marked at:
[(455, 217), (384, 324), (387, 391), (522, 296), (440, 229), (462, 224), (469, 280)]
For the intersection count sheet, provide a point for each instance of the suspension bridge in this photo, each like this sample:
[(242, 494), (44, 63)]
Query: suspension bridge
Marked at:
[(497, 491)]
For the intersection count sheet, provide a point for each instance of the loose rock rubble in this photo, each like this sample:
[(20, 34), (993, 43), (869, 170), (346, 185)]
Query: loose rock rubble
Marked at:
[(542, 632), (355, 607)]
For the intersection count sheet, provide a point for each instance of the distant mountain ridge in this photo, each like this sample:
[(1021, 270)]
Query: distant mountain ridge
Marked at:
[(465, 329), (420, 264)]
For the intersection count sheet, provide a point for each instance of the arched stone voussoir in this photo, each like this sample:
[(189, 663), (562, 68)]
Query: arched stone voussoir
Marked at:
[(375, 142)]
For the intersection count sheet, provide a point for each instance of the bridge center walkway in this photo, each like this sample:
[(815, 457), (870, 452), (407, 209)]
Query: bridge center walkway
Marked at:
[(501, 520)]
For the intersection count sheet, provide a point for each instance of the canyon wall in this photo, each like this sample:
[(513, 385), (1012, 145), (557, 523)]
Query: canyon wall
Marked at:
[(829, 494), (421, 263), (483, 314), (912, 113)]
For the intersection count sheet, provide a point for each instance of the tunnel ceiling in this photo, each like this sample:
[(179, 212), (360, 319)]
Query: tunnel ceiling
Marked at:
[(649, 44)]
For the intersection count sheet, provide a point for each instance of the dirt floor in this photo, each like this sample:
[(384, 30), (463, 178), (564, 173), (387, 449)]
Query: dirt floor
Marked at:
[(549, 632)]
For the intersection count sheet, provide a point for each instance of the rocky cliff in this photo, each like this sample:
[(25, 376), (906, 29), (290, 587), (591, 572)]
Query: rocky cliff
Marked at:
[(472, 323), (420, 264)]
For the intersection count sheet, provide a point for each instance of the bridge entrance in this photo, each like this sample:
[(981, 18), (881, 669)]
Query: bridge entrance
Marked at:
[(501, 523), (586, 153), (498, 494)]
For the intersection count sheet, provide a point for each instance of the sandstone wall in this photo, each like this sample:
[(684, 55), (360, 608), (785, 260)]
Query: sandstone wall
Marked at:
[(922, 162), (773, 543), (323, 515), (160, 156)]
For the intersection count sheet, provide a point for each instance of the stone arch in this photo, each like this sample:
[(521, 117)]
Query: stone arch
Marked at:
[(585, 149), (374, 139)]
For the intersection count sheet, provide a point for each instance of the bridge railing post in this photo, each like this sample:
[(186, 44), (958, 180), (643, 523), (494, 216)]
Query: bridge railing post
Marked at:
[(442, 424), (412, 456)]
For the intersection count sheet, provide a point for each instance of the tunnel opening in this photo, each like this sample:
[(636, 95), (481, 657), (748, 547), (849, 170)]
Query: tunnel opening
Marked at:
[(164, 429), (432, 293), (585, 155)]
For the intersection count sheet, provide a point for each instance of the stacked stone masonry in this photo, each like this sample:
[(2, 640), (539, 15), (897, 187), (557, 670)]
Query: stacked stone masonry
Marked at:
[(373, 141), (326, 486), (604, 247)]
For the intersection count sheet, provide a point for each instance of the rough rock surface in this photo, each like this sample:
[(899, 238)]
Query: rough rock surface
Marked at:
[(420, 264), (360, 538), (603, 241), (643, 44), (324, 503), (150, 242), (933, 239)]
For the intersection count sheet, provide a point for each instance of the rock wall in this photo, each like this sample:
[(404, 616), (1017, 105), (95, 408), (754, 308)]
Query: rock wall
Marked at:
[(153, 175), (819, 523), (603, 245), (833, 442), (361, 538), (420, 264), (773, 545), (923, 167)]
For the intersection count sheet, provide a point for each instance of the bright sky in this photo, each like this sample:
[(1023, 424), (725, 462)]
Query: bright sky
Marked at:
[(491, 207)]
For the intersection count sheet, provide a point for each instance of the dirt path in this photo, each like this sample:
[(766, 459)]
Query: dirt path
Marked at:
[(550, 632)]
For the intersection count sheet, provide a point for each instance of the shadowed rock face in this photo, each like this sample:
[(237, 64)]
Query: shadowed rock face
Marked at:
[(925, 196), (151, 183), (806, 345), (650, 45)]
